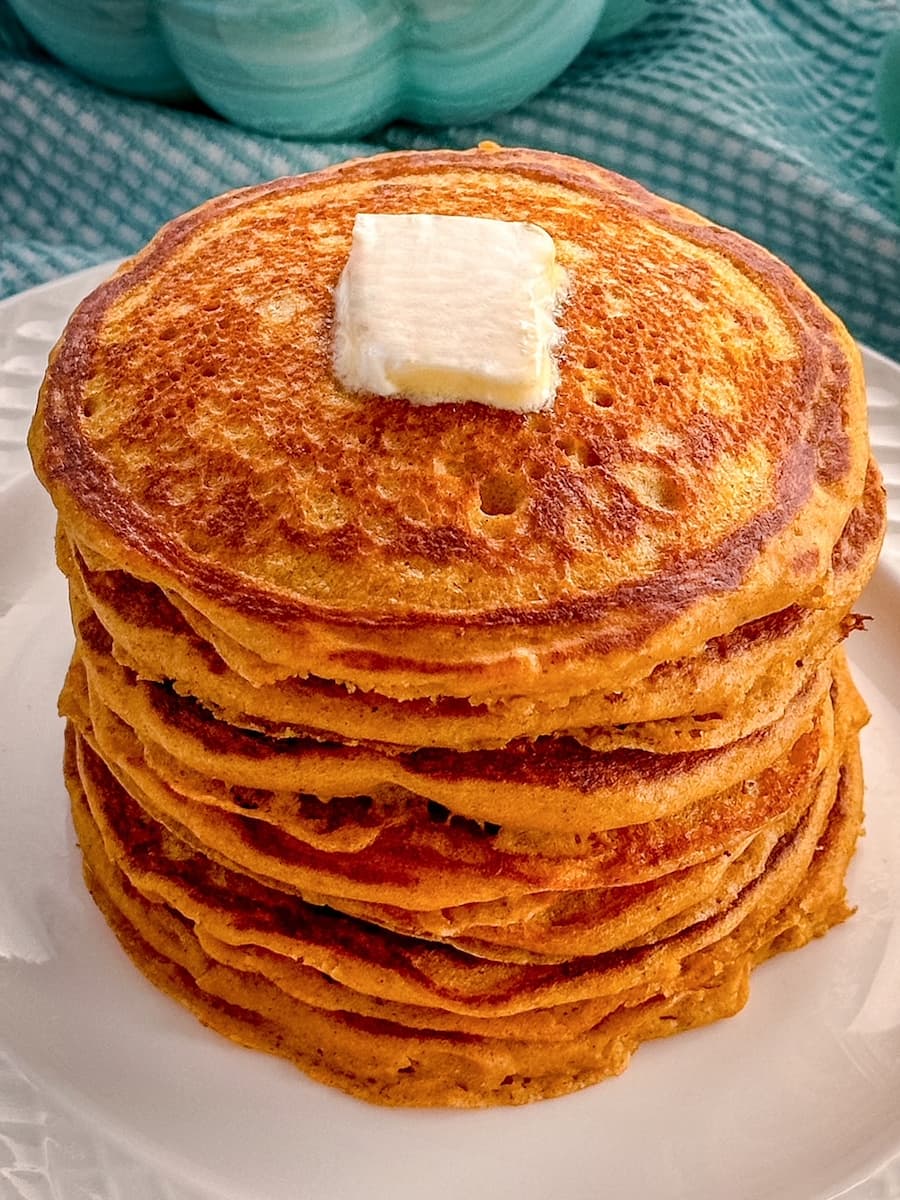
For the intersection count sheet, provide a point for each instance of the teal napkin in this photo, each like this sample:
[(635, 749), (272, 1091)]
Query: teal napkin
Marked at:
[(758, 113)]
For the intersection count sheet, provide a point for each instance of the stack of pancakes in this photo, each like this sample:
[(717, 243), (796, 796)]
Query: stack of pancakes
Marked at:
[(447, 751)]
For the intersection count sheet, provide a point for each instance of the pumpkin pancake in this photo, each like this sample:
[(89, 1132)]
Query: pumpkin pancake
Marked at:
[(735, 684), (373, 1059), (414, 860), (552, 784), (453, 859), (706, 448), (236, 908), (247, 1005)]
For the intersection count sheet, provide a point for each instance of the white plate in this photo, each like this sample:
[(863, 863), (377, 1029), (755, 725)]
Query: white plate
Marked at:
[(798, 1096)]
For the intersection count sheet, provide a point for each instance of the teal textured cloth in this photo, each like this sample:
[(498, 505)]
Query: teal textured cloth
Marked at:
[(758, 113)]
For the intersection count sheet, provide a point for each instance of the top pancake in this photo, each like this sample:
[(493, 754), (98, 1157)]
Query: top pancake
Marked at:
[(706, 447)]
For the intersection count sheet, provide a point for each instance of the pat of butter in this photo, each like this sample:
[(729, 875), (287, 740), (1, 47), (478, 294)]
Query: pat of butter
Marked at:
[(438, 308)]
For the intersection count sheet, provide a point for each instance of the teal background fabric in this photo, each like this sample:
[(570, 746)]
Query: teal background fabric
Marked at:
[(759, 113)]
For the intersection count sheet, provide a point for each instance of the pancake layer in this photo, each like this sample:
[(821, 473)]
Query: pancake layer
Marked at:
[(453, 753), (402, 1022), (706, 448)]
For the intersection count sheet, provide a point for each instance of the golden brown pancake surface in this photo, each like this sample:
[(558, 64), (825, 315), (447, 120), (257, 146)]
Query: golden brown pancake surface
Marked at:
[(701, 459)]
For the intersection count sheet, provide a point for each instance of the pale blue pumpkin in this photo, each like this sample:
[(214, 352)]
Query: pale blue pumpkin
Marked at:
[(116, 43), (328, 68)]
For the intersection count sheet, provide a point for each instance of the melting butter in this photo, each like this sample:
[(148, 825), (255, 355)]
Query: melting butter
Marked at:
[(437, 308)]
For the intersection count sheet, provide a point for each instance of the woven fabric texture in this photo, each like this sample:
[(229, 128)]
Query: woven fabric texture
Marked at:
[(759, 113)]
